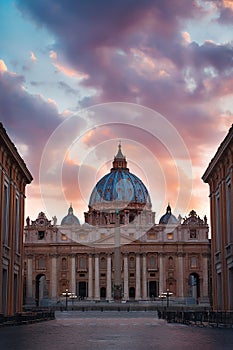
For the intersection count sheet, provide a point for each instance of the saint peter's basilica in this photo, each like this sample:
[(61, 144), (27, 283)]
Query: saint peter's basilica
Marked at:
[(119, 253)]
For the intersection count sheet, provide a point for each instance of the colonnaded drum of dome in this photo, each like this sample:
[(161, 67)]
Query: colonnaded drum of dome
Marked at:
[(119, 193)]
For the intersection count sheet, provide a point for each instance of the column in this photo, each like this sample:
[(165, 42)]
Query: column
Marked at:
[(126, 278), (97, 275), (54, 278), (180, 275), (90, 274), (109, 277), (144, 279), (138, 278), (73, 275), (161, 274), (30, 298), (205, 275)]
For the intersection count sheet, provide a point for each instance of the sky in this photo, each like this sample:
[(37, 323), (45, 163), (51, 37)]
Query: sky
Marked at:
[(78, 77)]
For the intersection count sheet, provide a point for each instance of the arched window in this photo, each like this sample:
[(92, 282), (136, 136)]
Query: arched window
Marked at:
[(194, 286)]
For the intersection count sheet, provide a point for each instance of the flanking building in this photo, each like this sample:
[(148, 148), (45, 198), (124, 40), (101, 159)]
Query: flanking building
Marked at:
[(119, 252), (14, 176), (219, 176)]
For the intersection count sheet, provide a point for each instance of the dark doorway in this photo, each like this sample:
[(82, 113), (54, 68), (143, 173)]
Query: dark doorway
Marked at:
[(82, 290), (4, 291), (15, 292), (40, 292), (153, 289), (103, 292), (194, 286), (132, 292)]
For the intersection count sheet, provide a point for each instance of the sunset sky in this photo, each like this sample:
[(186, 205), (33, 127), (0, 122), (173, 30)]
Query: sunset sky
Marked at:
[(77, 77)]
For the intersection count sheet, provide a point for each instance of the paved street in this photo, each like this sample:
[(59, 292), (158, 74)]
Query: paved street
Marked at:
[(113, 330)]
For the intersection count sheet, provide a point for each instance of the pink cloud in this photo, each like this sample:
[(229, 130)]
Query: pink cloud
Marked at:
[(132, 51)]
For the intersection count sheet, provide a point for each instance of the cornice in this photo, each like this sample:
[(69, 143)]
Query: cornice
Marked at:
[(221, 149), (9, 145)]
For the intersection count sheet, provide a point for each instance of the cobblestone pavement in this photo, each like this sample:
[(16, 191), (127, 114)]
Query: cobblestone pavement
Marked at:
[(112, 330)]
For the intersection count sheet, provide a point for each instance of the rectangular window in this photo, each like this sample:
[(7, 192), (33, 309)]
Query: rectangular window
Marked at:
[(4, 290), (230, 288), (170, 235), (193, 233), (193, 262), (151, 235), (15, 292), (82, 263), (219, 291), (17, 224), (41, 263), (229, 210), (6, 208), (152, 262), (218, 233)]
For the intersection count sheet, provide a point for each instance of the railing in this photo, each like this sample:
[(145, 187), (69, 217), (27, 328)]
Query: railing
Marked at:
[(201, 318), (26, 317)]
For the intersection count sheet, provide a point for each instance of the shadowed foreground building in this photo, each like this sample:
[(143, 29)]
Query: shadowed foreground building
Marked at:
[(119, 252), (14, 176), (219, 176)]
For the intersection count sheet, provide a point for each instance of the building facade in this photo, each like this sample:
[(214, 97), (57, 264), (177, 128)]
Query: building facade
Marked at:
[(14, 176), (219, 176), (119, 252)]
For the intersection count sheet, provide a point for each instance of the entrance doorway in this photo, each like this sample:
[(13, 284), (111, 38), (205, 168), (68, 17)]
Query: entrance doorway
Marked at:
[(194, 286), (82, 289), (41, 291), (153, 289), (132, 292), (103, 292)]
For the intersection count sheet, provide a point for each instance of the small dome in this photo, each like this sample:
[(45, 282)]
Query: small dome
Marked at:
[(70, 219), (168, 218)]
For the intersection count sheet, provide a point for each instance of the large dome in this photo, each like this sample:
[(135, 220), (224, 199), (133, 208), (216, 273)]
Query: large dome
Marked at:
[(119, 196), (119, 188)]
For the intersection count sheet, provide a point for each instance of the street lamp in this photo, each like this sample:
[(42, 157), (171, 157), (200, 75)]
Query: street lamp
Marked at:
[(166, 295), (73, 297), (66, 294)]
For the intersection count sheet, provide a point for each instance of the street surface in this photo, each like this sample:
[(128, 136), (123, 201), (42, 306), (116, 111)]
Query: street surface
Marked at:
[(112, 330)]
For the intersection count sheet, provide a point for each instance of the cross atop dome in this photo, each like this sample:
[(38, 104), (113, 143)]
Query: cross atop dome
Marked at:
[(119, 160), (119, 153)]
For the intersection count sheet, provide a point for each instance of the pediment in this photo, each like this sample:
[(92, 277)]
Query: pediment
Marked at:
[(111, 241)]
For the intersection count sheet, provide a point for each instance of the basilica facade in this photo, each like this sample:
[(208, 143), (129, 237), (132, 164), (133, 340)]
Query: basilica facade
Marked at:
[(119, 252)]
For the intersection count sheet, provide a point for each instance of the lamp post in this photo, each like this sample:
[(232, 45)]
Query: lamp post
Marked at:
[(166, 295), (66, 294), (73, 297)]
